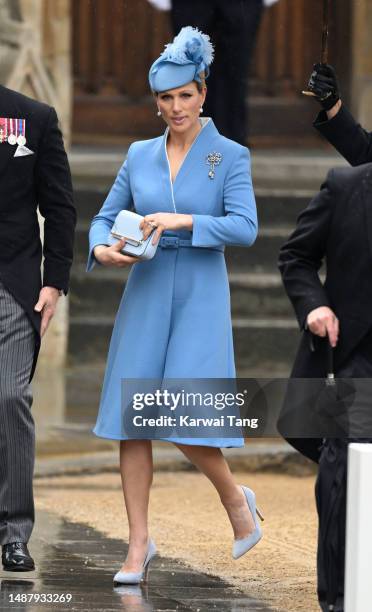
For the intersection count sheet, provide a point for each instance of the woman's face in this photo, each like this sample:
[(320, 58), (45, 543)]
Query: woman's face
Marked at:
[(180, 107)]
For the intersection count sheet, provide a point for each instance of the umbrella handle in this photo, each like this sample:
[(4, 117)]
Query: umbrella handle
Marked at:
[(325, 31), (325, 34), (330, 364)]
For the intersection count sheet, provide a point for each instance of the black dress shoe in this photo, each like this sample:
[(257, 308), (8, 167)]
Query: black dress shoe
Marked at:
[(16, 558)]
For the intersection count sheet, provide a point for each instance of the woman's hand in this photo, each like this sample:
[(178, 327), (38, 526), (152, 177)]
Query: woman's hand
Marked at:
[(111, 256), (164, 221)]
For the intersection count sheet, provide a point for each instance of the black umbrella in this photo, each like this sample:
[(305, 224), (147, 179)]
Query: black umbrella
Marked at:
[(334, 401), (333, 406), (331, 505), (317, 408)]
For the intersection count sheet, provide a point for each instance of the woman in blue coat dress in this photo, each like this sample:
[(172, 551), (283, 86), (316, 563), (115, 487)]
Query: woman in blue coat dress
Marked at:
[(174, 319)]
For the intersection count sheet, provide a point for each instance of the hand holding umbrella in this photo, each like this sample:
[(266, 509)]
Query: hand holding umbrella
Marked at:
[(323, 81), (337, 396), (323, 86)]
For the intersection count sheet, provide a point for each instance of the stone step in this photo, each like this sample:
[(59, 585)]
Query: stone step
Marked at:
[(251, 294), (88, 201), (281, 206), (275, 206), (261, 257), (293, 168), (261, 345), (261, 295)]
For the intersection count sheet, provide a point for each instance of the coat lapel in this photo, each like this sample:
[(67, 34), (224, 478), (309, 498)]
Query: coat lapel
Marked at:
[(164, 173), (7, 109), (197, 154)]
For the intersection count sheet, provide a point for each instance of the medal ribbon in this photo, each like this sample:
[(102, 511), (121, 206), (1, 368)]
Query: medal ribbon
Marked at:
[(12, 127), (3, 130)]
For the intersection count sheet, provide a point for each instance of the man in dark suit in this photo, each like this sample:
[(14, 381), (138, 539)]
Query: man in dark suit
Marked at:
[(337, 227), (335, 122), (34, 172), (232, 26)]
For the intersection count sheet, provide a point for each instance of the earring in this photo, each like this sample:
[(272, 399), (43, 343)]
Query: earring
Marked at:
[(158, 113), (201, 109)]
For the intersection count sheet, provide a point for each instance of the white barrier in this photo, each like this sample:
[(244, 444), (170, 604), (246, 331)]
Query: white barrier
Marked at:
[(358, 580)]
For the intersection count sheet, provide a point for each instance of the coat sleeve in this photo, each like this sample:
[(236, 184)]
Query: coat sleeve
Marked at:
[(119, 198), (347, 136), (55, 200), (239, 225), (301, 256)]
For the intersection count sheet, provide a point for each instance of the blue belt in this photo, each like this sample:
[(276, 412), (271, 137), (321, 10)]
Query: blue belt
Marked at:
[(173, 242)]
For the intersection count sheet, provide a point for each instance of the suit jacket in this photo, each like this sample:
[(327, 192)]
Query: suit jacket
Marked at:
[(39, 180), (347, 136), (336, 226)]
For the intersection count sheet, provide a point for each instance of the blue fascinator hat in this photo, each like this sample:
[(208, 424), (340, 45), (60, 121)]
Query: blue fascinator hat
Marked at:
[(182, 61)]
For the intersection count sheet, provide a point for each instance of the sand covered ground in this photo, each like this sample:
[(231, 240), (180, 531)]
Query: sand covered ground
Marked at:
[(188, 523)]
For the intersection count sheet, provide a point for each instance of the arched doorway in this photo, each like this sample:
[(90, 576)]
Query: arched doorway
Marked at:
[(115, 42)]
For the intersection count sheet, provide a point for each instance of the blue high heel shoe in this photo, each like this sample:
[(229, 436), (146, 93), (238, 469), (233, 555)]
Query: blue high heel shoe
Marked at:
[(137, 577), (243, 545)]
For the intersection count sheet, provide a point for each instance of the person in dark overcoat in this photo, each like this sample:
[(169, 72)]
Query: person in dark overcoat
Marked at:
[(234, 26), (336, 227)]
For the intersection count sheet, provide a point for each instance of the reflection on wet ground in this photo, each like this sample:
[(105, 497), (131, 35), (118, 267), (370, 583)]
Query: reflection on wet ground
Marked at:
[(74, 559)]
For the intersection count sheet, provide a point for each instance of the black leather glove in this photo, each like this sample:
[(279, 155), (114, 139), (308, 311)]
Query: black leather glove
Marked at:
[(323, 82)]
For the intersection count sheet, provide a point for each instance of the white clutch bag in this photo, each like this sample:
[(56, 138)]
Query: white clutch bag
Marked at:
[(126, 225)]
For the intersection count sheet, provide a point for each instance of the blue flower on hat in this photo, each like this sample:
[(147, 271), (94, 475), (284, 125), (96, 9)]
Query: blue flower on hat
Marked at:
[(182, 61), (190, 45)]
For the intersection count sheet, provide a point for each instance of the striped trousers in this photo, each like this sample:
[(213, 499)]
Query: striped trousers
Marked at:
[(17, 432)]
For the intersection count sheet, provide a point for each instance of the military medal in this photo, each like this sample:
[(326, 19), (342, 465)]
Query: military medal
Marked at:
[(12, 138), (13, 131), (213, 159), (21, 138)]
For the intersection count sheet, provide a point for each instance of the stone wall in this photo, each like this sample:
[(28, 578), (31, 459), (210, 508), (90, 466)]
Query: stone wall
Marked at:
[(362, 61)]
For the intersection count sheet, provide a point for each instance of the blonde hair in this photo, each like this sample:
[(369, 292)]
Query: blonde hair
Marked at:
[(201, 84)]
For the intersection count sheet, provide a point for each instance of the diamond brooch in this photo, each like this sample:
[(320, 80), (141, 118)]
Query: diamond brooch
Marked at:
[(213, 159)]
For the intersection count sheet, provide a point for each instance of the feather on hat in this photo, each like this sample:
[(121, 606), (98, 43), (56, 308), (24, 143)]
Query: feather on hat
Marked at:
[(182, 61)]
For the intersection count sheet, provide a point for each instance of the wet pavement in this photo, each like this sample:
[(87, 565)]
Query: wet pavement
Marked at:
[(75, 566)]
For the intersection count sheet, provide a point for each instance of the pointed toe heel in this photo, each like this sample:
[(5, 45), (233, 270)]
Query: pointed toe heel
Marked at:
[(137, 577), (243, 545)]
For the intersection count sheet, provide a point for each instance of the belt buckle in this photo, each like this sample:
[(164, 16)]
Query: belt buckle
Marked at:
[(170, 242)]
